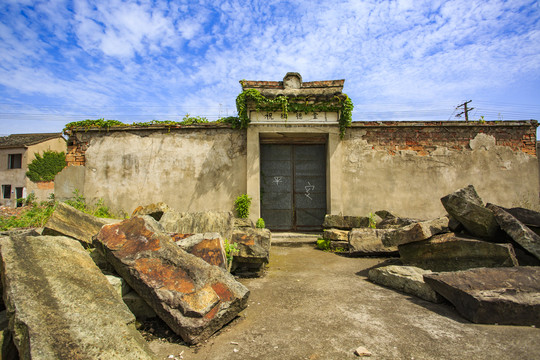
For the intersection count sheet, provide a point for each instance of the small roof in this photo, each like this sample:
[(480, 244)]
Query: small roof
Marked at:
[(292, 85), (25, 140)]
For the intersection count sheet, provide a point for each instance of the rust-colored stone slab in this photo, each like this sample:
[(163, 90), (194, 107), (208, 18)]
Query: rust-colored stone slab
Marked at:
[(193, 297), (208, 246), (253, 250)]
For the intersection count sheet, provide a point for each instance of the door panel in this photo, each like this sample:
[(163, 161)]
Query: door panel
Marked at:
[(293, 186)]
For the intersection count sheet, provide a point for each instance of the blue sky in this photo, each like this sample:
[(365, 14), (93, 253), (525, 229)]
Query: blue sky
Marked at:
[(63, 61)]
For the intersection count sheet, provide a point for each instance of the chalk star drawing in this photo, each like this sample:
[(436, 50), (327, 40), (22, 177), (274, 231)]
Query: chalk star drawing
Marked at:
[(309, 188), (277, 180)]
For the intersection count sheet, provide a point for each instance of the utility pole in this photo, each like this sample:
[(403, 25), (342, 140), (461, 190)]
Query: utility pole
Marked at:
[(465, 110)]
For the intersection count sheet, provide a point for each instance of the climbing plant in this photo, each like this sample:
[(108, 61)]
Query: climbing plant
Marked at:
[(45, 167), (339, 103)]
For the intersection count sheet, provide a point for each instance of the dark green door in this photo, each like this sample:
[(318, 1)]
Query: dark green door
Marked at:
[(293, 186)]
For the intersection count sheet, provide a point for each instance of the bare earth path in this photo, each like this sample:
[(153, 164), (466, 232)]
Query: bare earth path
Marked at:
[(317, 305)]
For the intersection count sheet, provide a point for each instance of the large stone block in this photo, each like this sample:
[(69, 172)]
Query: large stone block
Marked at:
[(408, 279), (335, 235), (369, 241), (467, 207), (155, 210), (253, 250), (345, 222), (193, 297), (390, 221), (519, 232), (60, 304), (209, 247), (505, 296), (175, 222), (68, 221), (451, 253), (415, 232)]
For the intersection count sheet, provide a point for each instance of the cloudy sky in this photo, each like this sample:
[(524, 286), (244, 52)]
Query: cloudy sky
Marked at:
[(63, 61)]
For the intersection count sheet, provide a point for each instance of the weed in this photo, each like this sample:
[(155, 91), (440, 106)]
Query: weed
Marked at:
[(260, 224), (230, 251), (242, 205), (323, 244), (372, 221)]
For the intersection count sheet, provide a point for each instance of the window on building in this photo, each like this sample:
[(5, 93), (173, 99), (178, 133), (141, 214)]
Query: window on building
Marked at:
[(14, 161), (6, 191)]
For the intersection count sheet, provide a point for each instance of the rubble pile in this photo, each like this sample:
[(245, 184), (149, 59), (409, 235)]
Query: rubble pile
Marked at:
[(75, 289), (484, 259)]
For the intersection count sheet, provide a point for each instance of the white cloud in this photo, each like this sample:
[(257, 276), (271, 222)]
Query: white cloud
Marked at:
[(188, 56)]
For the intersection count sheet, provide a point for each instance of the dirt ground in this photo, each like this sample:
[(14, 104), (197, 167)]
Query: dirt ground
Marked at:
[(318, 305)]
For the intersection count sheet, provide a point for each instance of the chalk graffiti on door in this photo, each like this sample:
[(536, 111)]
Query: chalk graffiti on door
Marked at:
[(277, 180), (309, 188)]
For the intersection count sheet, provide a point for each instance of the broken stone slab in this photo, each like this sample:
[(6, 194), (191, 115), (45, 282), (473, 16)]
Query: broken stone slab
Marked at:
[(60, 304), (390, 221), (68, 221), (138, 306), (339, 246), (528, 217), (194, 298), (335, 234), (368, 241), (175, 222), (253, 251), (240, 222), (505, 296), (345, 222), (415, 232), (208, 246), (119, 285), (408, 279), (519, 232), (155, 210), (467, 207), (449, 252)]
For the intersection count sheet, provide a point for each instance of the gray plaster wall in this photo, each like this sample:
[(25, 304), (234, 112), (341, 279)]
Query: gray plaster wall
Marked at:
[(69, 180), (411, 185), (190, 170)]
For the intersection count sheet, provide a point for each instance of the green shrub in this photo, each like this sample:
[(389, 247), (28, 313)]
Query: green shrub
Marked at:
[(191, 120), (260, 224), (35, 216), (45, 168), (230, 251), (323, 244), (372, 221), (79, 202), (242, 205)]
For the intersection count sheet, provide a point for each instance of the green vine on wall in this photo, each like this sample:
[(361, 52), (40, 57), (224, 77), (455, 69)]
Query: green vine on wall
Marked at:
[(339, 103)]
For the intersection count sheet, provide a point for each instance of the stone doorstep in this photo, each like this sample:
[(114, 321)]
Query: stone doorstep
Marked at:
[(293, 239)]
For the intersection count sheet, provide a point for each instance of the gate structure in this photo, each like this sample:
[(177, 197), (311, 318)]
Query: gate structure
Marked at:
[(293, 186)]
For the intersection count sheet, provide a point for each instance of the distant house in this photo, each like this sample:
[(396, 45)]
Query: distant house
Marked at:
[(16, 152)]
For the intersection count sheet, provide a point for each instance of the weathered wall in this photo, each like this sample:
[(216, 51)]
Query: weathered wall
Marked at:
[(404, 167), (17, 177), (189, 169), (45, 189), (407, 168), (13, 177)]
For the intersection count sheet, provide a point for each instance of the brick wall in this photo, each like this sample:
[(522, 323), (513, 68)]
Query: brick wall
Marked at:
[(75, 154), (424, 138)]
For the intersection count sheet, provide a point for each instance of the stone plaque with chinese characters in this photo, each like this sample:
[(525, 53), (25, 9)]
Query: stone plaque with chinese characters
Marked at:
[(264, 117)]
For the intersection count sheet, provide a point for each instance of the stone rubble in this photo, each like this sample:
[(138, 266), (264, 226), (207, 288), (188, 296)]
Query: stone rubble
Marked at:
[(194, 298), (477, 266), (61, 306), (504, 296)]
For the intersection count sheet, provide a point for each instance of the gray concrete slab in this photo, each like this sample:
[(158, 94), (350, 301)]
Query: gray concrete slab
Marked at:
[(317, 305)]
